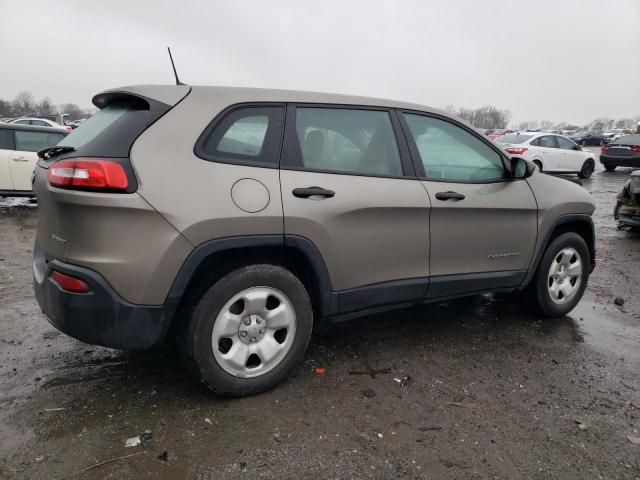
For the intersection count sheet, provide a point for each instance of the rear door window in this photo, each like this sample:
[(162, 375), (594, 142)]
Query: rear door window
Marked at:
[(546, 142), (35, 141), (360, 142), (6, 139), (248, 135)]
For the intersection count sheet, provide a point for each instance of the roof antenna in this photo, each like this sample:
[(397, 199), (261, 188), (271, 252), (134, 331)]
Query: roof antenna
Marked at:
[(178, 82)]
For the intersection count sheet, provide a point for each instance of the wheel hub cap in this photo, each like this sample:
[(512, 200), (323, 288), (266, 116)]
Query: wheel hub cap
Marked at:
[(253, 332), (565, 275), (252, 329)]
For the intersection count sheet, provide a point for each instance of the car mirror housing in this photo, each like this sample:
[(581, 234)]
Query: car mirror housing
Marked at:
[(520, 168), (577, 147)]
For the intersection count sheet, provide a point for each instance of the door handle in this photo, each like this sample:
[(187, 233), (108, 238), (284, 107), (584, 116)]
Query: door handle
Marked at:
[(311, 191), (449, 196), (20, 159)]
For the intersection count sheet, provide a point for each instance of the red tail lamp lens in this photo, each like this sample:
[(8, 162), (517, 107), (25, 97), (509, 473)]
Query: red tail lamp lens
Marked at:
[(88, 173), (69, 283), (516, 150)]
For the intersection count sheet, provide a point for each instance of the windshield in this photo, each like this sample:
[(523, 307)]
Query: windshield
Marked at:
[(513, 138), (628, 140), (92, 127)]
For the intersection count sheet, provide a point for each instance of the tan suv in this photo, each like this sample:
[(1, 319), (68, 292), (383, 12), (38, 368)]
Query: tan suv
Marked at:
[(232, 219)]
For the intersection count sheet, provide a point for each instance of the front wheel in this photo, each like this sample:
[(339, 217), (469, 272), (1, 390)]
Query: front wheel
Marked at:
[(562, 275), (587, 169), (248, 331)]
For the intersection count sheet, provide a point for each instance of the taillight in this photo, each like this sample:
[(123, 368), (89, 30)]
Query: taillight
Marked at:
[(635, 148), (69, 283), (516, 150), (88, 173), (604, 148)]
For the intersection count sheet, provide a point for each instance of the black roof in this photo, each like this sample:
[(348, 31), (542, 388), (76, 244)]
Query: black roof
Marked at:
[(32, 128)]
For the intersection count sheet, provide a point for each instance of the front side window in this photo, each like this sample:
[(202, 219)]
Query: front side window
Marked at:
[(35, 141), (247, 134), (360, 142), (565, 143), (450, 153)]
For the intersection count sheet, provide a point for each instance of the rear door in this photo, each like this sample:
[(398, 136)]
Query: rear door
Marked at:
[(25, 157), (6, 154), (348, 186), (483, 225)]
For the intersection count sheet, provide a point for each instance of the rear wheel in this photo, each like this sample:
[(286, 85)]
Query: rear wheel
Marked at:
[(538, 164), (609, 168), (587, 168), (562, 275), (248, 331)]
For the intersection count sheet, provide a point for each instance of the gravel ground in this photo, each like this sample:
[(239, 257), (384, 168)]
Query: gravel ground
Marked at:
[(476, 389)]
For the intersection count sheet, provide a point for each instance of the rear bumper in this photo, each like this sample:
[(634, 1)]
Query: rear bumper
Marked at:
[(631, 161), (100, 317)]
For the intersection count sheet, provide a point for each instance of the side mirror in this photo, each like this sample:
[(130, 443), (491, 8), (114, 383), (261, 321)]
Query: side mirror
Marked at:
[(577, 147), (520, 168)]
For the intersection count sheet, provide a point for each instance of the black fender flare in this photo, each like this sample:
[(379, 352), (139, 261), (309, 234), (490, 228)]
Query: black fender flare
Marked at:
[(328, 300)]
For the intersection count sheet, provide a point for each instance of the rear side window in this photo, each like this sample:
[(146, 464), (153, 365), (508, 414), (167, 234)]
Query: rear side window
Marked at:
[(6, 140), (248, 135), (546, 142), (359, 142), (35, 141)]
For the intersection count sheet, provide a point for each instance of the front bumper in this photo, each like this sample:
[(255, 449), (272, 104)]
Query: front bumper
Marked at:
[(629, 220), (100, 317)]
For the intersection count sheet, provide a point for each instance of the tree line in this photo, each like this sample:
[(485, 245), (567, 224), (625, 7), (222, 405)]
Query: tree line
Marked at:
[(26, 105), (490, 117)]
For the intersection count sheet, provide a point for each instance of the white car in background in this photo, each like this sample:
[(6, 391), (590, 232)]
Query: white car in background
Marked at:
[(550, 153), (39, 122)]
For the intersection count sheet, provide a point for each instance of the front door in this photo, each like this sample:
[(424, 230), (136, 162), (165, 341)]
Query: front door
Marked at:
[(483, 224), (346, 188), (6, 154)]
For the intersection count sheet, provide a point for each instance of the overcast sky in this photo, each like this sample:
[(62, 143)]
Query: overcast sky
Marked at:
[(555, 60)]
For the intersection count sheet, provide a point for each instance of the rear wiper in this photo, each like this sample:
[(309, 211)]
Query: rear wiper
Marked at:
[(52, 151)]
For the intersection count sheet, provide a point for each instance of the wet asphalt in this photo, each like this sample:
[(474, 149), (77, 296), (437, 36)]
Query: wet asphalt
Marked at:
[(476, 388)]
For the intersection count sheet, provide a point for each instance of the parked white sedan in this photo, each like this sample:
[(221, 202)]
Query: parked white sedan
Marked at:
[(551, 153), (19, 145)]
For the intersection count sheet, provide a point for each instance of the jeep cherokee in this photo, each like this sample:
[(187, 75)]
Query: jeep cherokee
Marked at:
[(232, 219)]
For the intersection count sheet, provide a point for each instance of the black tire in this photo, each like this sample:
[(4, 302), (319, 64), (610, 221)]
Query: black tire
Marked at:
[(538, 164), (194, 337), (587, 168), (538, 288), (609, 168)]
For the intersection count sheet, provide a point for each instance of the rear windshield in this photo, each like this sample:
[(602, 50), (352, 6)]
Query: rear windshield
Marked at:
[(112, 131), (513, 138), (628, 140), (95, 125)]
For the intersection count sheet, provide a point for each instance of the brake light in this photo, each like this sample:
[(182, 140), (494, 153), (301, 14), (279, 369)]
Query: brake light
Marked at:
[(516, 150), (69, 283), (635, 148), (88, 173), (604, 148)]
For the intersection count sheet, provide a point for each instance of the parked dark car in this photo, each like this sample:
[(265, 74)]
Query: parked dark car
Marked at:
[(623, 152), (589, 137)]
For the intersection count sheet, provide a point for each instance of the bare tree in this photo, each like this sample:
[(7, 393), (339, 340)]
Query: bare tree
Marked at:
[(546, 125), (73, 111), (46, 108), (24, 104)]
